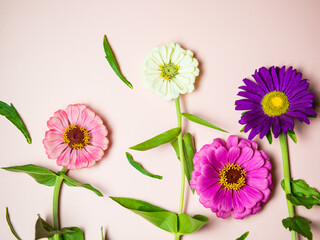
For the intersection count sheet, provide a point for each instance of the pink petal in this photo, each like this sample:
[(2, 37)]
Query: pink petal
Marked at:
[(99, 131), (258, 183), (87, 117), (100, 142), (73, 112), (55, 153), (221, 154), (73, 158), (95, 122), (232, 141), (63, 117), (51, 144), (64, 158), (226, 202), (54, 134), (94, 153), (246, 155), (233, 154), (56, 124)]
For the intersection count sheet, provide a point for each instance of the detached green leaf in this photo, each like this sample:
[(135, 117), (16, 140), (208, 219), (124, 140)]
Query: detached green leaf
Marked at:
[(302, 194), (74, 183), (189, 151), (160, 217), (299, 225), (138, 166), (41, 174), (113, 62), (243, 236), (201, 121), (102, 234), (13, 116), (292, 135), (158, 140), (72, 233), (269, 137), (188, 224), (10, 225)]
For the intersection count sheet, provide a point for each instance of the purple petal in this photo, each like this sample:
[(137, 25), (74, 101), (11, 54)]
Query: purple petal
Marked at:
[(254, 88), (245, 104), (252, 96), (276, 127), (298, 115), (267, 78), (266, 128), (255, 131), (286, 79), (291, 81), (260, 82), (281, 76), (275, 79)]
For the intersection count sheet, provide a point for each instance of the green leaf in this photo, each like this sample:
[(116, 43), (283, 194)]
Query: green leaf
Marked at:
[(158, 140), (299, 225), (269, 137), (188, 224), (41, 174), (242, 129), (292, 135), (72, 233), (201, 121), (160, 217), (243, 236), (11, 226), (302, 194), (113, 62), (189, 151), (102, 234), (74, 183), (44, 230), (138, 166), (12, 115)]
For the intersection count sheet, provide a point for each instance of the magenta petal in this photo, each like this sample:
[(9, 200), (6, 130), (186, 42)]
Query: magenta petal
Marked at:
[(210, 192), (208, 171), (258, 183), (205, 182), (258, 173), (237, 204), (253, 194), (255, 162), (222, 155), (233, 154), (226, 202), (222, 214), (241, 215), (232, 141), (246, 155)]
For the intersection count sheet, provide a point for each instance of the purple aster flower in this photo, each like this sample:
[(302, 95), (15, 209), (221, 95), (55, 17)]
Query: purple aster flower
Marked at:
[(276, 98), (232, 178)]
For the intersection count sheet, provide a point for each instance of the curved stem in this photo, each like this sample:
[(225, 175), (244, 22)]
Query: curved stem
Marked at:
[(286, 175), (55, 208), (181, 153)]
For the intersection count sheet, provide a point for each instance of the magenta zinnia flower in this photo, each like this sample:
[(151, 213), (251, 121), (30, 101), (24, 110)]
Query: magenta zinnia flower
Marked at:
[(276, 98), (77, 137), (232, 178)]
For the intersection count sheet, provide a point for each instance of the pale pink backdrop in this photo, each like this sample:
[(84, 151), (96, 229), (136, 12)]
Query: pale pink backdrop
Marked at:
[(52, 55)]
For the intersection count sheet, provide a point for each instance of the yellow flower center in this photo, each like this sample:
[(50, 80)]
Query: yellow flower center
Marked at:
[(168, 71), (275, 103), (76, 137), (232, 177)]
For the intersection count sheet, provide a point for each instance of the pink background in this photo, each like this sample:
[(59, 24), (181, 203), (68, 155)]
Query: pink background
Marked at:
[(52, 55)]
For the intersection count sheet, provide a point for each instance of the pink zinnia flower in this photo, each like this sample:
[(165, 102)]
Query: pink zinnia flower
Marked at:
[(77, 137), (232, 178)]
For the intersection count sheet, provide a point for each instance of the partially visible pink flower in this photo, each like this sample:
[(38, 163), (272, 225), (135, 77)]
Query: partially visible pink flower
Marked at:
[(232, 178), (77, 137)]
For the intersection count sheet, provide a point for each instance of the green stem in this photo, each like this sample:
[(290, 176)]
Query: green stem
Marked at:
[(181, 153), (10, 225), (176, 237), (286, 175), (55, 208)]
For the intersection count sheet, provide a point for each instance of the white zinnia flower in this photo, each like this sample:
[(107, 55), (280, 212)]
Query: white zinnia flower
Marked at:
[(170, 70)]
